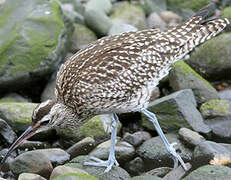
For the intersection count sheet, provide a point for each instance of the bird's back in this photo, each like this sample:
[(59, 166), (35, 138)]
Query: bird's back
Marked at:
[(118, 73)]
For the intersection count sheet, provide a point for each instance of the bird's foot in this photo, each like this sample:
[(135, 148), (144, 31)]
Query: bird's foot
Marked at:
[(176, 157), (98, 162)]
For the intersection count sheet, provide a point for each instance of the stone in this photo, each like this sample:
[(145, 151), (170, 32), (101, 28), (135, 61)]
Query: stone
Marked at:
[(137, 138), (60, 170), (123, 151), (150, 6), (75, 176), (178, 173), (145, 177), (120, 27), (33, 43), (226, 13), (81, 37), (82, 147), (225, 94), (32, 162), (30, 176), (104, 6), (170, 18), (209, 152), (49, 91), (214, 64), (97, 21), (175, 111), (6, 132), (14, 97), (210, 172), (182, 76), (32, 145), (155, 21), (114, 174), (191, 138), (226, 3), (160, 172), (129, 14), (135, 166), (154, 153)]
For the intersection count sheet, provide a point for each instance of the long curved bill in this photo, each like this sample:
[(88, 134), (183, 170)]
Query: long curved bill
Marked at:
[(27, 134)]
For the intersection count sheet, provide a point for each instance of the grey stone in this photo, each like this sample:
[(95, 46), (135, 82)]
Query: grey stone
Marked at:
[(49, 91), (104, 6), (31, 48), (182, 76), (137, 138), (114, 174), (171, 18), (210, 172), (191, 138), (123, 151), (120, 27), (154, 153), (160, 172), (32, 145), (75, 176), (209, 152), (13, 97), (6, 132), (175, 111), (155, 21), (82, 147), (145, 177), (150, 6), (30, 176), (178, 173), (225, 94), (32, 162), (135, 166), (97, 21)]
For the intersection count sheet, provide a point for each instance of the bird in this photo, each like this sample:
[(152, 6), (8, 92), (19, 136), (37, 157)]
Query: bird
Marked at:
[(117, 74)]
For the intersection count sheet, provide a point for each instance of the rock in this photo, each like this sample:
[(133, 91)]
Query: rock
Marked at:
[(97, 21), (32, 162), (6, 132), (137, 138), (226, 3), (104, 6), (119, 27), (175, 111), (33, 43), (82, 147), (178, 173), (182, 76), (114, 174), (160, 172), (209, 152), (30, 176), (49, 91), (75, 176), (145, 177), (191, 138), (81, 37), (123, 151), (214, 64), (154, 153), (156, 6), (32, 145), (226, 13), (129, 14), (155, 21), (209, 172), (60, 170), (13, 97), (135, 166), (225, 94), (170, 18)]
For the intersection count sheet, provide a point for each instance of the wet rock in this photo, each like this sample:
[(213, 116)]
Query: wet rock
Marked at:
[(32, 145), (59, 170), (191, 138), (135, 166), (104, 6), (32, 49), (49, 91), (226, 13), (137, 138), (123, 151), (225, 94), (81, 37), (75, 176), (32, 162), (177, 173), (182, 76), (160, 172), (82, 147), (209, 152), (120, 27), (154, 153), (129, 14), (6, 132), (209, 172), (171, 18), (175, 111), (145, 177), (30, 176), (13, 97), (155, 21), (114, 174), (150, 6), (214, 64)]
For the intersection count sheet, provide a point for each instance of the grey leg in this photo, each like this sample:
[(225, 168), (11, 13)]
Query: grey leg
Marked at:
[(170, 147), (111, 159)]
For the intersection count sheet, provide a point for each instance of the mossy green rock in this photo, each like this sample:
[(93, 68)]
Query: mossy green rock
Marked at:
[(182, 76), (213, 58), (210, 172), (75, 176), (17, 115), (226, 13), (33, 37), (129, 14), (145, 177)]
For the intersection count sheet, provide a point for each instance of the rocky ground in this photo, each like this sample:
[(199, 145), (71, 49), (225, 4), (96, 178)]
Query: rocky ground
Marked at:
[(193, 104)]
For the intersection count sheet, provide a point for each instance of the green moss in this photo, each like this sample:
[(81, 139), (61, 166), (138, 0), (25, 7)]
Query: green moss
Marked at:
[(194, 5), (215, 107), (226, 12), (75, 176)]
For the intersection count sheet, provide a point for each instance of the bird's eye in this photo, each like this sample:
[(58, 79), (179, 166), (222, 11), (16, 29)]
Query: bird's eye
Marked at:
[(44, 122)]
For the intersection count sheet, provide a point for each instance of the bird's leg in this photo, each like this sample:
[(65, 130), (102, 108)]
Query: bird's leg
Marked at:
[(170, 147), (111, 159)]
